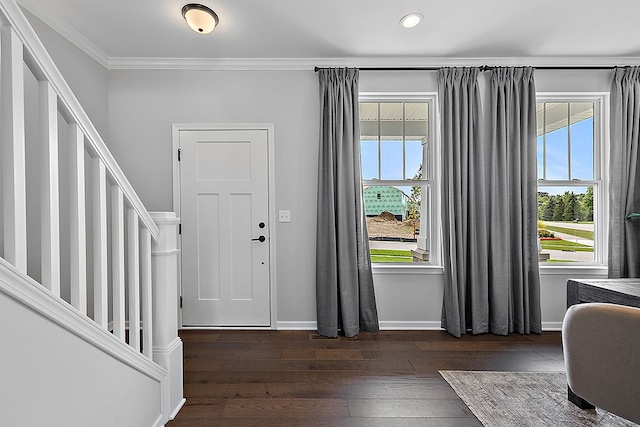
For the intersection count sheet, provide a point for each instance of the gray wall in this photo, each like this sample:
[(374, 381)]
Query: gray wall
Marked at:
[(134, 111), (144, 104), (86, 77)]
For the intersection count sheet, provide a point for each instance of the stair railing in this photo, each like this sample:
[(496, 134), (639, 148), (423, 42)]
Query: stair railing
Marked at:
[(121, 229)]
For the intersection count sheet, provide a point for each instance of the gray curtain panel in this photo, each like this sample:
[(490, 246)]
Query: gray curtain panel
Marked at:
[(344, 281), (514, 286), (464, 203), (624, 188)]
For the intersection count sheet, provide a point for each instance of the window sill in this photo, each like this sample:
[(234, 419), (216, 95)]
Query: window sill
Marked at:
[(407, 269), (437, 270), (564, 269)]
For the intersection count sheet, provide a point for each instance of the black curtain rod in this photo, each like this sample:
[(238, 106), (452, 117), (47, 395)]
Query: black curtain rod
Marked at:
[(482, 68)]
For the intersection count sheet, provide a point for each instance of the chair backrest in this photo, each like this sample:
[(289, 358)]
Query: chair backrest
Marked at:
[(601, 351)]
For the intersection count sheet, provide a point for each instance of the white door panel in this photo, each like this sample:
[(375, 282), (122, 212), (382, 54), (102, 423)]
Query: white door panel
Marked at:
[(224, 209)]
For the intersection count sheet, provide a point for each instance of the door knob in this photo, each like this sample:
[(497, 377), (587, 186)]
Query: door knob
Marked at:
[(261, 238)]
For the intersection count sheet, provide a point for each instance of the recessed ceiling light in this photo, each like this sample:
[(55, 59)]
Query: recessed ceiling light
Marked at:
[(411, 20)]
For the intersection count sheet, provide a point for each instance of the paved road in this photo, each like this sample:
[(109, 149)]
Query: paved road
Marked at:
[(568, 256), (558, 255), (577, 226), (569, 237), (573, 256), (379, 244)]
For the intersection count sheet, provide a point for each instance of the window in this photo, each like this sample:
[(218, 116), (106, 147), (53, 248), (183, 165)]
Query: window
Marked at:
[(570, 189), (395, 154)]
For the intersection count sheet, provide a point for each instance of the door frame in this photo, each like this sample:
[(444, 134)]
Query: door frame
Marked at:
[(176, 128)]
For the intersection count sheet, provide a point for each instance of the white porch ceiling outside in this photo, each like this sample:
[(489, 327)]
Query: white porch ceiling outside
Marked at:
[(557, 115)]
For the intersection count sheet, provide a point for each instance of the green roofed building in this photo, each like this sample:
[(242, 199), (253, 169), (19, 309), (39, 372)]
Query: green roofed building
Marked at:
[(379, 198)]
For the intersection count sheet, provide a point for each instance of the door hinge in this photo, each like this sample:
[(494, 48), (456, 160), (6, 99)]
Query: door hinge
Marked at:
[(180, 301), (179, 153), (179, 228)]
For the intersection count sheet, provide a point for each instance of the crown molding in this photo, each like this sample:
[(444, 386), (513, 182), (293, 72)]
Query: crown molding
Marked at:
[(301, 64), (220, 64), (305, 64), (68, 32)]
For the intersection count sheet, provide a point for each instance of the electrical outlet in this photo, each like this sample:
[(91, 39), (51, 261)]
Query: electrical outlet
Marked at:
[(284, 216)]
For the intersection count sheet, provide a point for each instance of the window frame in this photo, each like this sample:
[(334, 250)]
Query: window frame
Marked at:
[(600, 170), (432, 241)]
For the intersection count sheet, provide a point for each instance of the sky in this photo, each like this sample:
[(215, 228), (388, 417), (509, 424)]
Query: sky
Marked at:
[(391, 155), (557, 157), (557, 153)]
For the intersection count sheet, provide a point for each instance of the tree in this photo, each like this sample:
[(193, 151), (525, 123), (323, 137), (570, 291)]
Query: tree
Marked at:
[(586, 203), (571, 207), (569, 201), (578, 210), (543, 199), (558, 209), (548, 209), (415, 201)]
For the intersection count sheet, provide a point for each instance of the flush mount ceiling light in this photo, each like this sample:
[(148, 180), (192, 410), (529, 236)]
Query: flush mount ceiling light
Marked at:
[(200, 18), (411, 20)]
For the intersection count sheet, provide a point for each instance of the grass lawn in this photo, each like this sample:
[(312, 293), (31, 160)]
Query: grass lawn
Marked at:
[(585, 234), (390, 255), (563, 245)]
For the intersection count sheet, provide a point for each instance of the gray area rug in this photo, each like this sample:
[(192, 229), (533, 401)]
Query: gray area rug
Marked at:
[(524, 399)]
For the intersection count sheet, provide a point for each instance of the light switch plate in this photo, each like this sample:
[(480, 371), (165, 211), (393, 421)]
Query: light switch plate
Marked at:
[(284, 216)]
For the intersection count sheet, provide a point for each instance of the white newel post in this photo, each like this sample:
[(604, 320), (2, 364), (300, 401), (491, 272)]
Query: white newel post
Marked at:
[(167, 346)]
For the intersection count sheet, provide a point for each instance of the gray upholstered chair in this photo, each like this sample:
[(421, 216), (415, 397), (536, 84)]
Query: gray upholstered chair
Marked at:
[(602, 357)]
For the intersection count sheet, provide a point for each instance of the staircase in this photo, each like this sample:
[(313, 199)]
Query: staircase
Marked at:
[(88, 283)]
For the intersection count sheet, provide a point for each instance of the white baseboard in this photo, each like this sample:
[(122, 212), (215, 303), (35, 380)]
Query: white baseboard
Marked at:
[(158, 422), (384, 325), (297, 326), (551, 326), (171, 358), (177, 409), (421, 325), (426, 325), (169, 348), (227, 328), (436, 325)]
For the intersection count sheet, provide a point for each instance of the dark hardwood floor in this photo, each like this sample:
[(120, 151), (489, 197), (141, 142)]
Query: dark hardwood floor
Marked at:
[(294, 378)]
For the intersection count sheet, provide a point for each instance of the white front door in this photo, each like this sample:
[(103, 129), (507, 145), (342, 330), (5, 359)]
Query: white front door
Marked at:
[(224, 194)]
